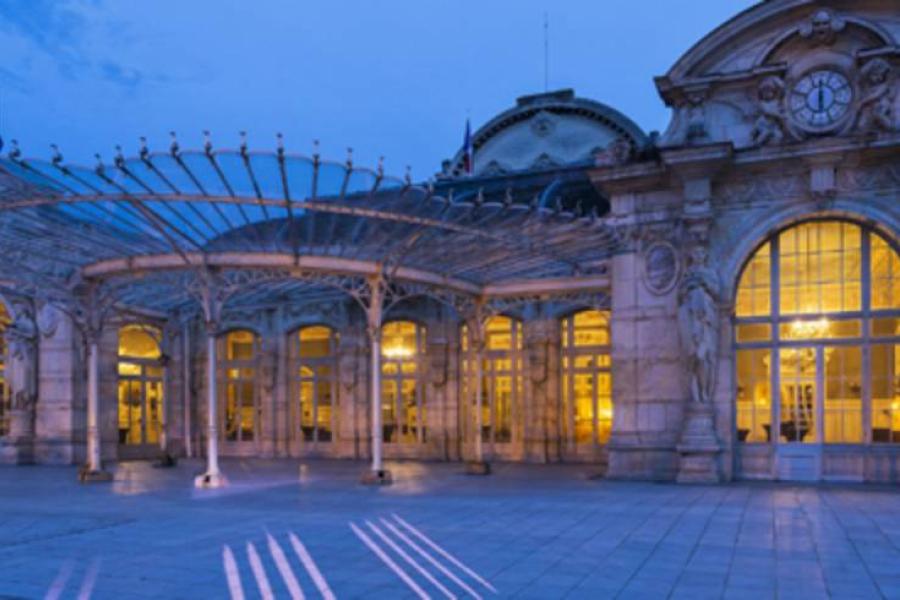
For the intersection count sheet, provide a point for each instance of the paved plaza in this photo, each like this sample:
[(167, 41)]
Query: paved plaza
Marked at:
[(282, 529)]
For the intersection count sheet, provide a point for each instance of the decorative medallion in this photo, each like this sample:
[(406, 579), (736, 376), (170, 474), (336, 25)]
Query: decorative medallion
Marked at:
[(661, 267)]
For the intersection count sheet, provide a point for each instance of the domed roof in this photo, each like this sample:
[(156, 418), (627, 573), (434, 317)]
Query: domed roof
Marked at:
[(545, 131)]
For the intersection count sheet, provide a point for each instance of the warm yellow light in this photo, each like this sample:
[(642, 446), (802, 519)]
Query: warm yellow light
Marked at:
[(895, 405), (397, 352), (810, 329)]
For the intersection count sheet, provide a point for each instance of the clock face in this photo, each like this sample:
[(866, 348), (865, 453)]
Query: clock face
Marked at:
[(821, 99)]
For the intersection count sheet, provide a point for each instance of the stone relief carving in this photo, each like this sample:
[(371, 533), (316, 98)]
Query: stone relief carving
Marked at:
[(543, 124), (696, 118), (764, 189), (822, 28), (619, 152), (885, 177), (348, 367), (538, 358), (698, 324), (769, 127), (544, 161), (661, 267), (22, 337), (47, 320), (876, 106)]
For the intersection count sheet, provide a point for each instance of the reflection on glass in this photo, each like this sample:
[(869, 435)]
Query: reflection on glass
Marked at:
[(798, 395), (315, 353), (885, 359), (754, 398), (402, 395), (843, 394), (586, 380), (885, 275), (754, 297), (820, 268), (502, 381), (240, 386), (140, 385)]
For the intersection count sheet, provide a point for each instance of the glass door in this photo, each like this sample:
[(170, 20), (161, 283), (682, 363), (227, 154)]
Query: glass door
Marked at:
[(800, 413)]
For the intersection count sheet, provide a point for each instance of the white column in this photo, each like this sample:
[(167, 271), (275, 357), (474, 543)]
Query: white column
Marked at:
[(186, 387), (212, 477), (94, 464), (479, 392), (377, 435)]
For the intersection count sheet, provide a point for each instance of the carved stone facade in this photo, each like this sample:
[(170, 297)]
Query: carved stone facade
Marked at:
[(786, 117)]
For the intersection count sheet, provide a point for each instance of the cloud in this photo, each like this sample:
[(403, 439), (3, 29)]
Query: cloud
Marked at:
[(63, 31)]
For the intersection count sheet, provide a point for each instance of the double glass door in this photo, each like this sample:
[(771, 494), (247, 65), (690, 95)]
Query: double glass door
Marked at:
[(820, 401)]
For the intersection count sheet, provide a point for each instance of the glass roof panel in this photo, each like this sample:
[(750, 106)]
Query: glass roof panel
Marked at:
[(234, 169), (361, 181), (94, 181), (299, 171), (147, 176), (169, 168), (178, 215), (204, 171), (268, 175), (331, 179)]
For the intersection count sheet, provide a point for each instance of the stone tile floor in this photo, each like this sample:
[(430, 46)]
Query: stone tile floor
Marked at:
[(525, 532)]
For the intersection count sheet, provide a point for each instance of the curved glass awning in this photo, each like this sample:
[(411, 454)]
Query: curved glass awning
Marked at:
[(238, 210)]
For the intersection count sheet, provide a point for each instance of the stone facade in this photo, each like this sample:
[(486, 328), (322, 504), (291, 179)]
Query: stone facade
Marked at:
[(788, 113)]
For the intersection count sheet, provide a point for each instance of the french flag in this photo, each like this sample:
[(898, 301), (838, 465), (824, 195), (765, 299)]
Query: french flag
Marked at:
[(468, 152)]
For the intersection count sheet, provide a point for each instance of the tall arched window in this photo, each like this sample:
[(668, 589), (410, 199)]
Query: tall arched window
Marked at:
[(402, 388), (314, 377), (140, 385), (502, 380), (239, 350), (586, 378), (817, 328), (4, 387)]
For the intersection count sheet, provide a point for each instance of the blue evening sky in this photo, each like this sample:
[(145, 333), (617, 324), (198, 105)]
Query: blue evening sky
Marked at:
[(394, 78)]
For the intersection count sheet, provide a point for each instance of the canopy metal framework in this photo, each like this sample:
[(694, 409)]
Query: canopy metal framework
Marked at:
[(177, 232)]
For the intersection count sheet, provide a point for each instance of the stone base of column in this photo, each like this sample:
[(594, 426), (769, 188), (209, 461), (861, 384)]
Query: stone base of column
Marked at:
[(699, 449), (209, 481), (381, 477), (86, 475), (476, 467)]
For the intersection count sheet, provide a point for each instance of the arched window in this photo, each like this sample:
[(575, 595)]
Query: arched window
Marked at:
[(314, 377), (4, 386), (238, 351), (816, 328), (586, 378), (402, 388), (140, 394), (502, 380)]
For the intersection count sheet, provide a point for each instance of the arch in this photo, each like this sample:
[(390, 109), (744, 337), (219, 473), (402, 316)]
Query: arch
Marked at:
[(586, 380), (314, 383), (403, 389), (817, 336), (141, 393), (744, 244), (238, 356)]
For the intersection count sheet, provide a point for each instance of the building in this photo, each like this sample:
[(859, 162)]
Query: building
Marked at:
[(721, 301)]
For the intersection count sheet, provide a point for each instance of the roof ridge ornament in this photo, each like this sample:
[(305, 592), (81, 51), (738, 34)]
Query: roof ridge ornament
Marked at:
[(14, 151), (408, 176), (349, 159), (173, 148), (207, 143), (243, 146), (316, 152), (380, 167), (119, 159), (144, 152), (57, 155), (279, 143)]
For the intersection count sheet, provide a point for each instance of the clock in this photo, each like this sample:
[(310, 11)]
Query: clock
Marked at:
[(821, 99)]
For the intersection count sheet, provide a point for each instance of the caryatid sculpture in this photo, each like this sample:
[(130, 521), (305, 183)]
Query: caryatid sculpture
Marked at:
[(698, 323)]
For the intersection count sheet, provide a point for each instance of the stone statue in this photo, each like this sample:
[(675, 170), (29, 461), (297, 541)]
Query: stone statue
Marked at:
[(876, 107), (21, 336), (698, 322), (769, 125)]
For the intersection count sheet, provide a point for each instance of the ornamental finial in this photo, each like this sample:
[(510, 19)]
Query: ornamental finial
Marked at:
[(279, 141), (349, 158), (14, 151), (408, 176), (243, 135), (120, 158), (207, 143), (144, 151), (316, 150), (173, 148), (57, 155)]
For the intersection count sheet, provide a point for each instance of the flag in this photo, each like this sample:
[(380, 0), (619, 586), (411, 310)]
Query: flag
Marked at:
[(468, 158)]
